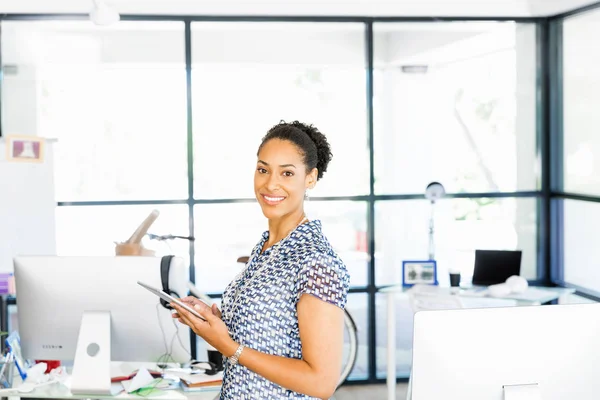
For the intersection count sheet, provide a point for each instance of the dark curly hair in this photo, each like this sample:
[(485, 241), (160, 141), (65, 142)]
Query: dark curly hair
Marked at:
[(311, 142)]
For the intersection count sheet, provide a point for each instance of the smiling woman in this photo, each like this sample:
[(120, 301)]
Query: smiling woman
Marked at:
[(281, 323), (291, 158)]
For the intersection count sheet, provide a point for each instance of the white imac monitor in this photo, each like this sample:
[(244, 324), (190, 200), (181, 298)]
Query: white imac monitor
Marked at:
[(540, 352), (91, 310)]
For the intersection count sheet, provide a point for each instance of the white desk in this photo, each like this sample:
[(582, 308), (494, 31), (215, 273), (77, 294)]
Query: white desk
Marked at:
[(559, 294), (60, 391)]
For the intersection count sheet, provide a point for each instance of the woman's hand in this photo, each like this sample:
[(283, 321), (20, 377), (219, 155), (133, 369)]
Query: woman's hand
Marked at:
[(213, 330), (192, 301)]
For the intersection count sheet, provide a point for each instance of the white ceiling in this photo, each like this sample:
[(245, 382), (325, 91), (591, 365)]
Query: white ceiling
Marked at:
[(425, 8)]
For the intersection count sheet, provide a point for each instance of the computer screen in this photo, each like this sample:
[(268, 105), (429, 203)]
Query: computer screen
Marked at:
[(53, 293), (478, 354), (496, 266)]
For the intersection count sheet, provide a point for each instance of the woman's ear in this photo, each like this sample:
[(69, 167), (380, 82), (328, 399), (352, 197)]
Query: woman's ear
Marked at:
[(311, 179)]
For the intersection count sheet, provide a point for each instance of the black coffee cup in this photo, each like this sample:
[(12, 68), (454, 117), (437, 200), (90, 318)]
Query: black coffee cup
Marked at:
[(454, 279)]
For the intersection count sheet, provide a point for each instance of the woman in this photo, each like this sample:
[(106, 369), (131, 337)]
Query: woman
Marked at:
[(281, 326)]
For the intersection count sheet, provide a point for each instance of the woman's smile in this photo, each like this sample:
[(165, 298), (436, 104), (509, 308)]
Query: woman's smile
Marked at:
[(272, 200)]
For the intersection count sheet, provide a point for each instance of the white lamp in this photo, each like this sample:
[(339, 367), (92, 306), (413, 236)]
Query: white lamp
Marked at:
[(103, 15), (433, 192)]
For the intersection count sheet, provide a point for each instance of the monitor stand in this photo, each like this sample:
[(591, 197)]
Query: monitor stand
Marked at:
[(91, 367), (522, 392)]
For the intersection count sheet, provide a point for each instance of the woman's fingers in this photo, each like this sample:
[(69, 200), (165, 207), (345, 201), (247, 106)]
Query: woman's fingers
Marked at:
[(216, 311), (187, 318), (189, 299), (182, 313)]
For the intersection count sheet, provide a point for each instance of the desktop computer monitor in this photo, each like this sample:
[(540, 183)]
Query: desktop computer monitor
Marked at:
[(495, 266), (539, 352), (54, 294)]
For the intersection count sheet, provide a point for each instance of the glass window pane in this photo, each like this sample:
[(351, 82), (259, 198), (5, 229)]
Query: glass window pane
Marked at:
[(249, 76), (581, 250), (115, 97), (468, 120), (225, 232), (581, 99), (404, 334), (345, 225), (461, 226), (93, 230), (358, 307)]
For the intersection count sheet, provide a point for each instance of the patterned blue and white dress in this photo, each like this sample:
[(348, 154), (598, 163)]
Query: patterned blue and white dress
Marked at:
[(259, 305)]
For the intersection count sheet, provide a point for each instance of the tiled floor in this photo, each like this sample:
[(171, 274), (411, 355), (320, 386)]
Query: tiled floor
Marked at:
[(371, 392)]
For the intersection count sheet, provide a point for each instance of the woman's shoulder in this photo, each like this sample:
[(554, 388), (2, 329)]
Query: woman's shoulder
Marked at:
[(316, 248), (321, 272)]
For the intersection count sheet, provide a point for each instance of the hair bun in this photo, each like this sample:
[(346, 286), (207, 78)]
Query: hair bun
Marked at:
[(324, 154), (310, 142)]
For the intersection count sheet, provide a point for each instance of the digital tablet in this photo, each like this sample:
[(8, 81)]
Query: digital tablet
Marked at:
[(171, 299)]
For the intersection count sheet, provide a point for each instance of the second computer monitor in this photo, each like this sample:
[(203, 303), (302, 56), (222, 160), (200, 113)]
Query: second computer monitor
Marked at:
[(54, 292), (496, 266), (538, 352)]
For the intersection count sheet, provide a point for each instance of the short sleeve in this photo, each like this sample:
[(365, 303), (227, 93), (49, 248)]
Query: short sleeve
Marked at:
[(325, 277)]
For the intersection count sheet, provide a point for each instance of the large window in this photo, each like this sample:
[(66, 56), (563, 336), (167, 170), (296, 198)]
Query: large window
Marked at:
[(581, 99), (580, 153), (114, 97), (249, 76), (455, 103)]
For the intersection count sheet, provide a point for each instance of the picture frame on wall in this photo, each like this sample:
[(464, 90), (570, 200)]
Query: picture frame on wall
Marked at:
[(419, 272), (24, 148)]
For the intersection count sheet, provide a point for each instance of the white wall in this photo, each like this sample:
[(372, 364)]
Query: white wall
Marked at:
[(27, 207)]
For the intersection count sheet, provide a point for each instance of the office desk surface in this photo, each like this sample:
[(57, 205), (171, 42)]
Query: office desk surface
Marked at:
[(535, 295), (60, 391), (164, 395)]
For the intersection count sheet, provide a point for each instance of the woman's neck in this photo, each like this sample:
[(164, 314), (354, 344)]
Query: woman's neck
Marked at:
[(279, 228)]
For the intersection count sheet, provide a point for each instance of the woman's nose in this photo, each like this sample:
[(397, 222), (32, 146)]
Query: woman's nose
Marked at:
[(273, 182)]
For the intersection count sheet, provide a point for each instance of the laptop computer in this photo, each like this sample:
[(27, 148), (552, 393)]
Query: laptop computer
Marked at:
[(495, 266)]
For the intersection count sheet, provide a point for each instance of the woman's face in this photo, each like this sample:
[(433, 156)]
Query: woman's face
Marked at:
[(280, 179)]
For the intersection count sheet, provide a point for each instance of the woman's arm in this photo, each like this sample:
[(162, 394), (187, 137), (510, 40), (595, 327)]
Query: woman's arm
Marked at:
[(321, 334)]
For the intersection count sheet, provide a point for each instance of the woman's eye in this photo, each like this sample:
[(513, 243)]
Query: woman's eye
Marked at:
[(288, 173), (261, 170)]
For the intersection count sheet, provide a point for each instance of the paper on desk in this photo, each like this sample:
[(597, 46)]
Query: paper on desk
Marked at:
[(140, 380), (116, 388), (157, 394), (533, 294), (197, 378)]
